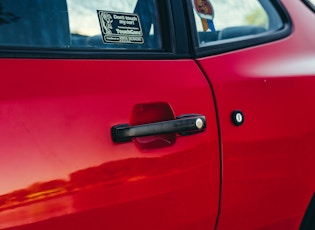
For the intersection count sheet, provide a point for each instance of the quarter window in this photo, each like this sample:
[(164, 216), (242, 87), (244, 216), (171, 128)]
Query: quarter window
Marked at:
[(76, 24), (222, 20)]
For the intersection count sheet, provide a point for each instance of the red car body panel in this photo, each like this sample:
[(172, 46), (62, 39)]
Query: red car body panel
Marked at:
[(60, 168), (268, 162)]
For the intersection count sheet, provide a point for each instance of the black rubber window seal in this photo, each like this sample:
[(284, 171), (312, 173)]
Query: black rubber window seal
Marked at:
[(309, 4)]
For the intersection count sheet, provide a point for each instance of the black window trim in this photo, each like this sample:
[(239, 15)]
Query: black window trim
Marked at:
[(309, 4), (173, 40), (229, 45)]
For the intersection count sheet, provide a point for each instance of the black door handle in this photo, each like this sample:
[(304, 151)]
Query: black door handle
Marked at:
[(184, 125)]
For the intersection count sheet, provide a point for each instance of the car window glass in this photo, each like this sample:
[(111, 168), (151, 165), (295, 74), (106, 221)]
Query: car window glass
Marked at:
[(93, 24), (217, 20)]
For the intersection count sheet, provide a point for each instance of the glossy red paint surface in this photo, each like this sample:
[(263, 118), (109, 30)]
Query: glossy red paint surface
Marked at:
[(60, 168), (268, 162)]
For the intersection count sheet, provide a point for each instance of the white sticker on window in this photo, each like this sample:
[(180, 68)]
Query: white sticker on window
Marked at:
[(120, 27)]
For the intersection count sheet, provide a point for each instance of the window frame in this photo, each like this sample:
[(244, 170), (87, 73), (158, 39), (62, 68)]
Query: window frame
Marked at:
[(309, 4), (173, 45), (238, 43)]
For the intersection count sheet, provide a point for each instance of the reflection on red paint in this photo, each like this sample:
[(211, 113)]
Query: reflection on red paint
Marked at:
[(108, 184), (57, 126)]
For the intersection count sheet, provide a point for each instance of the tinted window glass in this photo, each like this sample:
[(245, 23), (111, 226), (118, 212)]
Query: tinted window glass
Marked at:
[(34, 23), (218, 20), (80, 24)]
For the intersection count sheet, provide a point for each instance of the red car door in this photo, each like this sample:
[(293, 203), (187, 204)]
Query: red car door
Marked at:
[(262, 73), (74, 97)]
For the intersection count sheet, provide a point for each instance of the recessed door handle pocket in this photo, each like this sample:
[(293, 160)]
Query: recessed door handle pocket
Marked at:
[(183, 125)]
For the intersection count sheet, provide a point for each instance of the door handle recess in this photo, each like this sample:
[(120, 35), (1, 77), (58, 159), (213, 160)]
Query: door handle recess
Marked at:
[(183, 125)]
